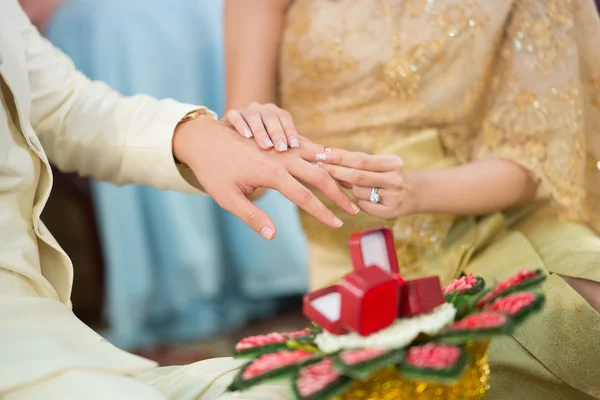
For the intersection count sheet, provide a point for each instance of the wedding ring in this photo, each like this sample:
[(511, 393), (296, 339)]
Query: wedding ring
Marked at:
[(374, 198), (327, 150)]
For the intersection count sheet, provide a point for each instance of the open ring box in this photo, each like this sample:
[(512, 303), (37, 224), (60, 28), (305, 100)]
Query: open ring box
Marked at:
[(374, 294)]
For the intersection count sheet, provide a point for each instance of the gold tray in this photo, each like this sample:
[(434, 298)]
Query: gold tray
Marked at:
[(388, 384)]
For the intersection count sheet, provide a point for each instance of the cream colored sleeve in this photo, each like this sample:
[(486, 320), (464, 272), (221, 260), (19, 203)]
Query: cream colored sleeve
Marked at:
[(87, 127)]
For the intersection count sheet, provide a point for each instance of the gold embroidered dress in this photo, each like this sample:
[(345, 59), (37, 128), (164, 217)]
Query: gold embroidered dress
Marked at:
[(469, 79)]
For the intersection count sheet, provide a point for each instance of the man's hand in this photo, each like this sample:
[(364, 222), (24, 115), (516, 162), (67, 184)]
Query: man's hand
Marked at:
[(230, 168)]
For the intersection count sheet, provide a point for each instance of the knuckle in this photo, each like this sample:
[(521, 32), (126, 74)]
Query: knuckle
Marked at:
[(276, 131), (359, 176), (305, 196), (398, 182), (322, 176), (398, 163), (361, 160), (234, 118), (223, 202), (252, 219)]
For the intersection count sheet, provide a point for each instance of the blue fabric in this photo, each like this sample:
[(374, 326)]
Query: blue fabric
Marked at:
[(178, 267)]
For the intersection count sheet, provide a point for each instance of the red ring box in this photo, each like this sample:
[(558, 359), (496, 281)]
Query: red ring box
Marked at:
[(324, 306), (374, 248), (369, 300), (420, 296)]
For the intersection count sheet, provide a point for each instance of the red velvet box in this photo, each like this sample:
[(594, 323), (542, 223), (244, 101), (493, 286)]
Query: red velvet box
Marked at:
[(374, 248), (369, 300), (420, 296), (324, 306)]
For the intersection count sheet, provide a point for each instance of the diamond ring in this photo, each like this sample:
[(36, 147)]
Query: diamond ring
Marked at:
[(374, 198)]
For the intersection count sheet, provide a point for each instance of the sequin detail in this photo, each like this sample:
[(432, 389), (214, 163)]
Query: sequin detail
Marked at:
[(388, 384)]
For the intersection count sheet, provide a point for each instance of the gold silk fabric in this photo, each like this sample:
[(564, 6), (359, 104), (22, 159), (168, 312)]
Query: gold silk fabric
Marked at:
[(518, 80)]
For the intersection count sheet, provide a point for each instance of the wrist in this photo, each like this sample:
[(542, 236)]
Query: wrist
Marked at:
[(416, 186), (187, 135)]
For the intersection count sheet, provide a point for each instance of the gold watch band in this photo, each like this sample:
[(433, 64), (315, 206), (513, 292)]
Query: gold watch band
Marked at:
[(190, 116)]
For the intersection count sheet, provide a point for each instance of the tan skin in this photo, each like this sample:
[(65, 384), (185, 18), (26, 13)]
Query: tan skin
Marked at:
[(253, 32)]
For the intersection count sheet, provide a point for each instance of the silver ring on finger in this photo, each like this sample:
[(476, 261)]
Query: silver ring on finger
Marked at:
[(374, 198), (327, 150)]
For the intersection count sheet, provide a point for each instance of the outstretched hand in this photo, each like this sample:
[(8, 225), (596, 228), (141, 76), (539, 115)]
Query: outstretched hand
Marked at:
[(231, 168)]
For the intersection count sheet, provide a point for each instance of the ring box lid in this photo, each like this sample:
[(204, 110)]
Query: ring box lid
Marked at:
[(374, 248), (324, 306)]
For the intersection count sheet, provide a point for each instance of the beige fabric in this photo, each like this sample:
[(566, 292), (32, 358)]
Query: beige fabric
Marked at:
[(50, 112), (205, 380), (515, 79)]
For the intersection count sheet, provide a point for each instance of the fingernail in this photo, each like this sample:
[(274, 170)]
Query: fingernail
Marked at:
[(267, 232), (247, 133), (268, 142), (294, 142), (321, 156), (355, 209), (281, 145), (338, 222)]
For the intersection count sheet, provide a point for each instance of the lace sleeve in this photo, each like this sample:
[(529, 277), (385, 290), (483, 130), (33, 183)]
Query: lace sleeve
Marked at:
[(535, 112)]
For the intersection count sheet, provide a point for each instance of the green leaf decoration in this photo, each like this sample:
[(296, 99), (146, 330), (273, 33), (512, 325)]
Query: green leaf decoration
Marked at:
[(433, 362), (363, 363), (465, 285), (519, 306), (479, 326), (319, 381), (524, 280), (272, 366)]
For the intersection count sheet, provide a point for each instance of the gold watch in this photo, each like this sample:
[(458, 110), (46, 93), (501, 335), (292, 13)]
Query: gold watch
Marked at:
[(190, 116)]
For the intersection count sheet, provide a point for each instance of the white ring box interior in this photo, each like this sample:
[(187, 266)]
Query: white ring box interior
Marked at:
[(329, 305), (374, 252)]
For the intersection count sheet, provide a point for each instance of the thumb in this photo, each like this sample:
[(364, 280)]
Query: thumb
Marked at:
[(250, 214)]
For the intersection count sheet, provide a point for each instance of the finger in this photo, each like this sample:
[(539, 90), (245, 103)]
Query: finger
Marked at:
[(235, 118), (320, 178), (345, 185), (386, 197), (367, 162), (236, 203), (255, 122), (303, 139), (305, 199), (287, 122), (274, 129), (358, 177), (376, 210), (309, 151)]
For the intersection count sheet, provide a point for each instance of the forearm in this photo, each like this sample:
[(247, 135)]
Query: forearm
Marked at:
[(252, 37), (86, 127), (471, 189)]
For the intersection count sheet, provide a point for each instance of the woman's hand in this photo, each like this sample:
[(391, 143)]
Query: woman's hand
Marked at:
[(270, 126), (363, 172)]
